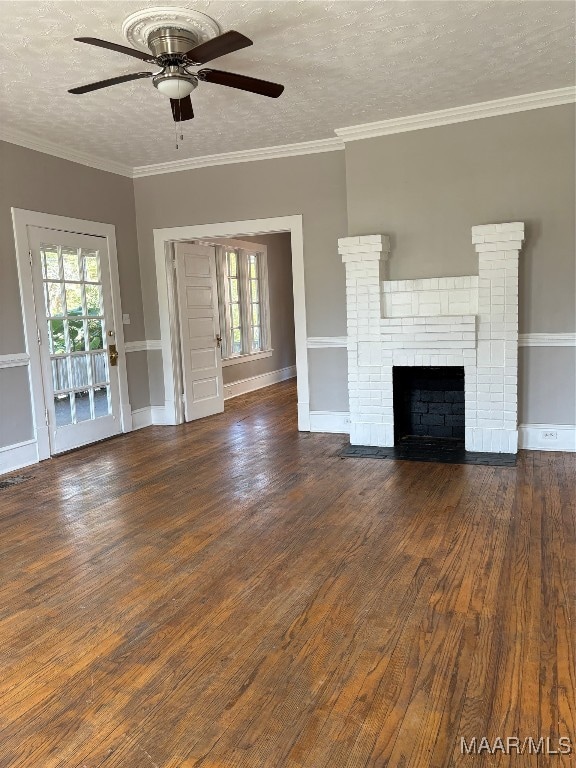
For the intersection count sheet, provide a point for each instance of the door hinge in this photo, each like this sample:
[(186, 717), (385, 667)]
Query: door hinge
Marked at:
[(39, 336), (46, 417), (30, 256), (183, 398)]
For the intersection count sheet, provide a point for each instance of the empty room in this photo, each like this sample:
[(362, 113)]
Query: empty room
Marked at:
[(287, 384)]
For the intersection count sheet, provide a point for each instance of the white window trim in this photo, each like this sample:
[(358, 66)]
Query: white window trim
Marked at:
[(223, 302)]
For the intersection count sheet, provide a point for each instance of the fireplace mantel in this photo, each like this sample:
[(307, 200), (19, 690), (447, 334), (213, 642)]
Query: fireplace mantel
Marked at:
[(469, 321)]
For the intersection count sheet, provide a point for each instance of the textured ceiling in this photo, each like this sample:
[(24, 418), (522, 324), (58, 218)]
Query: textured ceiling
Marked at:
[(342, 63)]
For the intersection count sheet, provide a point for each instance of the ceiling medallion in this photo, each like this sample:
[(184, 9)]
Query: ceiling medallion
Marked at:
[(139, 25)]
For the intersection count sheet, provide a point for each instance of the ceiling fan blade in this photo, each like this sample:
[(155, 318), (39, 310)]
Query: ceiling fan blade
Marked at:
[(182, 109), (244, 83), (218, 46), (115, 47), (109, 82)]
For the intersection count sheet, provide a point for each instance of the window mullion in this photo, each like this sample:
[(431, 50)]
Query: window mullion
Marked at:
[(264, 300), (224, 301), (244, 286)]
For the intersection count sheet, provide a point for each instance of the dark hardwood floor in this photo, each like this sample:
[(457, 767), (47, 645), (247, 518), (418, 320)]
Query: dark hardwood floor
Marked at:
[(231, 594)]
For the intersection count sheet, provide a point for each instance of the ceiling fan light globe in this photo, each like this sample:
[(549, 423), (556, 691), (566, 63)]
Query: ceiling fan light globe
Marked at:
[(175, 87)]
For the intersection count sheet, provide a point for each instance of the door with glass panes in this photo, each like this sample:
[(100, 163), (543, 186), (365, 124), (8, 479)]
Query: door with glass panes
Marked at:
[(72, 294)]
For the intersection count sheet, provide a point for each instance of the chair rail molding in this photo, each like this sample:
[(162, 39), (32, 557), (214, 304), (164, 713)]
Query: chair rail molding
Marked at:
[(148, 345), (524, 340), (321, 342), (15, 360), (547, 340)]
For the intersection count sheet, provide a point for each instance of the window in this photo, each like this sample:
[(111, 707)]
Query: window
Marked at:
[(244, 310)]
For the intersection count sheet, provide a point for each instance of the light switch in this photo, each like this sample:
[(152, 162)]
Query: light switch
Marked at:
[(126, 319)]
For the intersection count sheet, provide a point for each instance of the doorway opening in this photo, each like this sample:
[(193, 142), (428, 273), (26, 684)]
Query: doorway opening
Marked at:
[(251, 233), (244, 340)]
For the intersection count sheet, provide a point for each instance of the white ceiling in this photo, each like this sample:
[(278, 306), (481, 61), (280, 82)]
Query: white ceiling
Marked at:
[(342, 63)]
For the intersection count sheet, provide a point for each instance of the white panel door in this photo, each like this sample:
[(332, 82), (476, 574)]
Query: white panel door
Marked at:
[(199, 330), (72, 295)]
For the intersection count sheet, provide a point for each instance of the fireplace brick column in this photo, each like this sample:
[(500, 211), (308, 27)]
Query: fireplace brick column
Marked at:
[(370, 407), (496, 423)]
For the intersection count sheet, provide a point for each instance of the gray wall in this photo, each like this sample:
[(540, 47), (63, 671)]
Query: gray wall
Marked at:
[(281, 311), (40, 182), (427, 188), (328, 369), (547, 394), (311, 185), (16, 425)]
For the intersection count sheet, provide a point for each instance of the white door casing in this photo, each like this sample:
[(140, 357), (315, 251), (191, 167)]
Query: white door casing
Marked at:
[(199, 320), (74, 317), (22, 220), (165, 238)]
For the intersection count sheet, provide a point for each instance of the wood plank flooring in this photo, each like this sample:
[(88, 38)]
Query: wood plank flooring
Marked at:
[(231, 594)]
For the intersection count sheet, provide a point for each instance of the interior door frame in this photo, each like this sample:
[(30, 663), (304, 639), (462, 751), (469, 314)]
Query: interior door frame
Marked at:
[(21, 220), (169, 331)]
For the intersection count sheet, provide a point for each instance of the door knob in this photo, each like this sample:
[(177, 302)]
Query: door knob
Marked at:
[(218, 341), (113, 354)]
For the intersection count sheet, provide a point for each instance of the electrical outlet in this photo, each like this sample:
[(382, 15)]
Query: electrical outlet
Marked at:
[(549, 434)]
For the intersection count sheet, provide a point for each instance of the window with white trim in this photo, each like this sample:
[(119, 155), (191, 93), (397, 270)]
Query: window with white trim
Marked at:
[(244, 304)]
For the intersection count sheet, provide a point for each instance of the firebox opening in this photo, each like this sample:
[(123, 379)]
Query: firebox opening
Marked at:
[(428, 404)]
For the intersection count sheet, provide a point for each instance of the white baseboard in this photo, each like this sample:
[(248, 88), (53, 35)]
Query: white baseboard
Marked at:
[(141, 417), (158, 413), (243, 386), (18, 455), (303, 416), (533, 437), (145, 417), (330, 421)]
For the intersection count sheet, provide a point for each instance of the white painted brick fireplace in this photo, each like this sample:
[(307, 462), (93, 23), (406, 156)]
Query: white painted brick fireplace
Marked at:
[(447, 321)]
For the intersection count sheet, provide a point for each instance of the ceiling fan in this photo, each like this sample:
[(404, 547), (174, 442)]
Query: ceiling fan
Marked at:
[(175, 50)]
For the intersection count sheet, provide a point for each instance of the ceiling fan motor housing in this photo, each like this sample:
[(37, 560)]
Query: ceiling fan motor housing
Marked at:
[(171, 43)]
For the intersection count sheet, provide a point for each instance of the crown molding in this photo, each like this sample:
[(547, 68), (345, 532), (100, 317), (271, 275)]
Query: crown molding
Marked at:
[(343, 135), (458, 114), (49, 148), (243, 156)]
